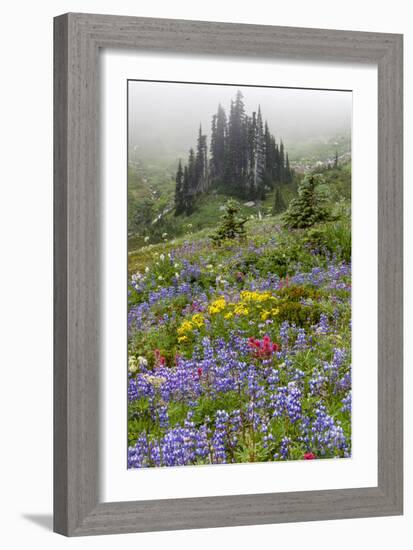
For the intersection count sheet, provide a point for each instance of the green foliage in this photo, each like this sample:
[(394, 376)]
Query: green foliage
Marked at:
[(334, 237), (301, 313), (209, 405), (310, 206), (232, 226), (140, 213), (280, 261), (338, 181), (301, 305), (297, 293)]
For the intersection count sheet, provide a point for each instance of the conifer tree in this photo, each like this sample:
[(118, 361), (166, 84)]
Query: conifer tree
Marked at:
[(251, 129), (288, 171), (179, 190), (336, 160), (270, 157), (259, 169), (231, 226), (310, 206), (187, 202), (190, 183), (269, 160), (279, 203), (235, 167), (219, 132), (201, 164), (281, 163), (213, 165)]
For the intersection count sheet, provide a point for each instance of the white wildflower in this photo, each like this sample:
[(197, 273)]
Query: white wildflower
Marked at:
[(132, 364), (156, 381)]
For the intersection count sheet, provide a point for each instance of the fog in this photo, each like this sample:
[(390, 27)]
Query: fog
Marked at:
[(164, 117)]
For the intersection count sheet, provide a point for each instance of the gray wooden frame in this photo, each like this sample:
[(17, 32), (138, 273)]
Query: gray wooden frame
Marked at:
[(78, 39)]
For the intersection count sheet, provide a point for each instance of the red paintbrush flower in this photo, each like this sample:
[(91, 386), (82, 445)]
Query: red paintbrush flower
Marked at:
[(264, 348), (159, 359), (309, 456)]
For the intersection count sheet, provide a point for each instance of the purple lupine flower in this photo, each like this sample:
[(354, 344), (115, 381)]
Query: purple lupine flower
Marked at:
[(322, 327), (301, 341), (346, 403)]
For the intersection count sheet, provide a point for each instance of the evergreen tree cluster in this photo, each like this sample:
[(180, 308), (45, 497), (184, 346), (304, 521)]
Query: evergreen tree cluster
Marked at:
[(244, 160)]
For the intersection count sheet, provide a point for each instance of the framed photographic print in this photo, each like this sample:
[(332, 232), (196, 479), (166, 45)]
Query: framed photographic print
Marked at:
[(228, 274)]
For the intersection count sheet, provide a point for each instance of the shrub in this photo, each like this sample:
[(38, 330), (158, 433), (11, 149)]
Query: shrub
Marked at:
[(298, 313)]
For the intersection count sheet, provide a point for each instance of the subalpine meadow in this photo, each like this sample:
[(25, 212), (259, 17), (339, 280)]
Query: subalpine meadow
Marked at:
[(239, 296)]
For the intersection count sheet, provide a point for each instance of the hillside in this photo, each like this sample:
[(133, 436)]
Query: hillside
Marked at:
[(151, 216)]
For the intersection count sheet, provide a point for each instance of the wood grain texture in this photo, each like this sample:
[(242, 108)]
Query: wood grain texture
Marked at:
[(77, 506)]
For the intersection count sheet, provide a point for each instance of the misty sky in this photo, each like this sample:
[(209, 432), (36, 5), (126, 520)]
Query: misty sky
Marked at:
[(165, 117)]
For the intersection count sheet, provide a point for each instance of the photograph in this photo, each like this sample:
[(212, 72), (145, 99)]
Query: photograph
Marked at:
[(239, 274)]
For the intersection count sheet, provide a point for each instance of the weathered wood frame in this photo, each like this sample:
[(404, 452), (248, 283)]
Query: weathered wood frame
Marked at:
[(78, 39)]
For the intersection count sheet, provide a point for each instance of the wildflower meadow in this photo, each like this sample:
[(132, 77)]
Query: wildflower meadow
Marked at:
[(240, 353), (239, 301)]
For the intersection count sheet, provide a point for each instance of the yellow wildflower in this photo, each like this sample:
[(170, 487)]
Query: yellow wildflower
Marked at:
[(186, 326), (254, 296), (241, 309), (265, 314), (198, 320), (229, 315), (217, 306), (182, 338)]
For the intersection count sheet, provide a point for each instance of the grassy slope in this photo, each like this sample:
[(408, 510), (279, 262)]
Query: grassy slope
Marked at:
[(141, 256), (319, 149)]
